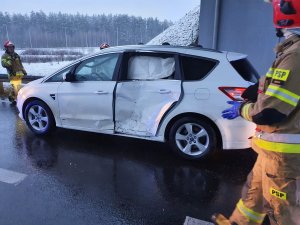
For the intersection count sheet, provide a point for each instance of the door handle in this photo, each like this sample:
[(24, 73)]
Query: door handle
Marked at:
[(164, 91), (100, 92)]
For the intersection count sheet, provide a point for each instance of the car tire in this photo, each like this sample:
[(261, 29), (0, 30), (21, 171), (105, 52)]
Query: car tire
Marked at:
[(39, 118), (193, 138)]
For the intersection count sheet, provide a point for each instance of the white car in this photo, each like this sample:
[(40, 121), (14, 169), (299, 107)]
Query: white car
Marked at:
[(159, 93)]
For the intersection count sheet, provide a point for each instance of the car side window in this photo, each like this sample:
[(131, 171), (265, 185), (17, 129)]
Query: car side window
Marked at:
[(99, 68), (59, 77), (142, 67), (196, 68)]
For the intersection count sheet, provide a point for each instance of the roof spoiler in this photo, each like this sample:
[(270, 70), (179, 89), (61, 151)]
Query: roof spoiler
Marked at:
[(233, 56)]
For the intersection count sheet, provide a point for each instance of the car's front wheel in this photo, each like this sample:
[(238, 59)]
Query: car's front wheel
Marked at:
[(39, 118), (193, 138)]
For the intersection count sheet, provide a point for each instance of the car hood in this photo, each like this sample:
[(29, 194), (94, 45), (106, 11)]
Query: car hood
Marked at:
[(38, 81)]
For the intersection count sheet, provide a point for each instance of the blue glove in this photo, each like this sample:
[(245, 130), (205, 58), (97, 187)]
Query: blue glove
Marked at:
[(232, 112)]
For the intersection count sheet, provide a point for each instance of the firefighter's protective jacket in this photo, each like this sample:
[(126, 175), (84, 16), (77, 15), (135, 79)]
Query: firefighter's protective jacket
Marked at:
[(277, 110), (13, 64)]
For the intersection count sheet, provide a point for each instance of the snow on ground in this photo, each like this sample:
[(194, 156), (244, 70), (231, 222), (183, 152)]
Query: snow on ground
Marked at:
[(83, 50), (40, 69), (44, 69), (183, 33)]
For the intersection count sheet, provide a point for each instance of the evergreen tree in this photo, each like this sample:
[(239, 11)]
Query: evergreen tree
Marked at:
[(76, 30)]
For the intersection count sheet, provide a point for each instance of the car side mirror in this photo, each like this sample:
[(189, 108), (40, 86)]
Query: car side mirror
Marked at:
[(69, 77)]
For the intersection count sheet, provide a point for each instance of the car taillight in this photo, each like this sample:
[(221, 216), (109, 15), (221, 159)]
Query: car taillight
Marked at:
[(234, 93)]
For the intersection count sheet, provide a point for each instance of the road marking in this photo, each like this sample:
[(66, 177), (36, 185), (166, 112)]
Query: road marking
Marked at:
[(193, 221), (11, 177)]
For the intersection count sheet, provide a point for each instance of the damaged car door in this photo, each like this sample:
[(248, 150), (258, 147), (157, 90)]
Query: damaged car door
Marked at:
[(86, 97), (150, 86)]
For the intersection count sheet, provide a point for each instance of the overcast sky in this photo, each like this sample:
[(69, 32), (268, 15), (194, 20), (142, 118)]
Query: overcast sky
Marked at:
[(162, 9)]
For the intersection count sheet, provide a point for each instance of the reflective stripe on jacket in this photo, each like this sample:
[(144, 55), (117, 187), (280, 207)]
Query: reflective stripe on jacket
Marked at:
[(277, 146), (279, 138)]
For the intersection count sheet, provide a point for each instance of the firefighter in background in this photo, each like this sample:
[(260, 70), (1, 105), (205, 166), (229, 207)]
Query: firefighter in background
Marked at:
[(273, 186), (15, 70), (104, 45)]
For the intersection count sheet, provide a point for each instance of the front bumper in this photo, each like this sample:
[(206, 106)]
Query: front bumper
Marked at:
[(20, 102)]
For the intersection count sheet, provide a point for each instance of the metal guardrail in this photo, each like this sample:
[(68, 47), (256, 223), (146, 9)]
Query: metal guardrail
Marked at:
[(26, 79)]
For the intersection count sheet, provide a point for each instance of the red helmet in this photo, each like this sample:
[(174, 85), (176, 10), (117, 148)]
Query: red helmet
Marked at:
[(104, 45), (286, 13), (8, 44)]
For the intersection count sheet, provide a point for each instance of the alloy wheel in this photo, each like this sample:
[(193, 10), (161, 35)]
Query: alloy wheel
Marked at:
[(192, 139), (38, 118)]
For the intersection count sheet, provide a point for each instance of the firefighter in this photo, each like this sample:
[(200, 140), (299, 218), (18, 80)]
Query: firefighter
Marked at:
[(273, 186), (104, 45), (15, 70), (1, 91)]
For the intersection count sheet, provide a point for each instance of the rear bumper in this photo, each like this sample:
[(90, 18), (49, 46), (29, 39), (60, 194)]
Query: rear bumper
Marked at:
[(236, 133), (236, 145)]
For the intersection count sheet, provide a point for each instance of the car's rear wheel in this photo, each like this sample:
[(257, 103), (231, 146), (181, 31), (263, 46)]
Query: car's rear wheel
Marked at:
[(193, 138), (39, 118)]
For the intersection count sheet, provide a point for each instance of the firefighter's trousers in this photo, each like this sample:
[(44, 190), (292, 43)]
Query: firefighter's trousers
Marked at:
[(15, 86), (1, 90), (272, 189)]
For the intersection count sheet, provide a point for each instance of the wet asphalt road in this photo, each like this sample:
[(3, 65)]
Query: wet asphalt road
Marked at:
[(86, 178)]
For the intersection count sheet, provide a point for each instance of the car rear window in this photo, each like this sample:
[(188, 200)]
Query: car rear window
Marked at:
[(246, 70), (195, 68)]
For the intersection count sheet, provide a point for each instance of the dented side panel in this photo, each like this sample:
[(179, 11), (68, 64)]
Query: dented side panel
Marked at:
[(140, 105), (87, 105)]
